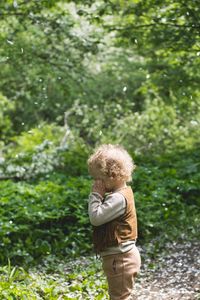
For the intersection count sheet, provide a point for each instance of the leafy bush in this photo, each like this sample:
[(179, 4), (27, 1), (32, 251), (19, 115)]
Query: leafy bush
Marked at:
[(167, 197), (49, 217), (42, 150), (155, 130)]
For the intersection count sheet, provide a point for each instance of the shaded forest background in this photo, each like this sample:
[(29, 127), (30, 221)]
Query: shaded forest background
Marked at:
[(77, 74)]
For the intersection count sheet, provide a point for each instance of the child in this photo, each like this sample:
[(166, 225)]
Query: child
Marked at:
[(112, 213)]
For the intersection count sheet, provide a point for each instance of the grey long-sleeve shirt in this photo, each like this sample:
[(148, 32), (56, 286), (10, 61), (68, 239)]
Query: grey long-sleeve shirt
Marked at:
[(100, 212)]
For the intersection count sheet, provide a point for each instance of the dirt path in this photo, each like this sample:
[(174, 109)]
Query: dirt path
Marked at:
[(173, 276)]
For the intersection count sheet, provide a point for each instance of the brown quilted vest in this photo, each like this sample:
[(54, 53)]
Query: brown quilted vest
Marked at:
[(119, 230)]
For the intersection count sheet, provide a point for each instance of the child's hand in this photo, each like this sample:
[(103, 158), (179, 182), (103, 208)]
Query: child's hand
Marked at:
[(99, 187)]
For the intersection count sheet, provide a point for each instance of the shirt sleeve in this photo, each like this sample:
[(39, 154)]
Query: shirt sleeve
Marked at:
[(101, 212)]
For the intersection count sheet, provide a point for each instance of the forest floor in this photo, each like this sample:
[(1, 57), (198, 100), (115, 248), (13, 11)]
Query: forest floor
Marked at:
[(172, 276)]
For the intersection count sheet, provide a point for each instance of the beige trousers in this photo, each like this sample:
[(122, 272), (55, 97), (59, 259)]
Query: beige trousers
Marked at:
[(121, 270)]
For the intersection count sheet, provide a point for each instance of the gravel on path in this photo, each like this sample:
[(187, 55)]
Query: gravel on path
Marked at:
[(173, 275)]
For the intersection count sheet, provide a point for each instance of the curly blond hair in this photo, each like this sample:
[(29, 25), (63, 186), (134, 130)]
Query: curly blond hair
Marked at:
[(111, 161)]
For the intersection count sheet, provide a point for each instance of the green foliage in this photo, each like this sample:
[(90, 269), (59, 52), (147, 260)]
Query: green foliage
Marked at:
[(49, 217), (157, 130), (69, 280), (58, 66), (42, 150), (44, 53), (167, 197), (6, 108), (74, 75), (28, 141)]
